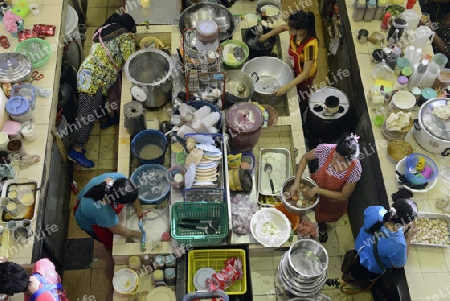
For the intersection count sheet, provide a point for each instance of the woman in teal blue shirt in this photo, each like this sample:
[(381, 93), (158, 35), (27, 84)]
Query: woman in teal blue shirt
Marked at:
[(391, 232), (99, 203)]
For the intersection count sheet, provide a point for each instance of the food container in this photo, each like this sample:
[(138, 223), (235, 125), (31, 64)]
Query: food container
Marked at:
[(270, 227), (398, 149), (280, 159), (430, 131), (294, 209), (158, 261), (170, 261), (154, 189), (244, 121), (169, 276), (175, 176), (126, 282), (19, 109), (433, 235), (12, 188)]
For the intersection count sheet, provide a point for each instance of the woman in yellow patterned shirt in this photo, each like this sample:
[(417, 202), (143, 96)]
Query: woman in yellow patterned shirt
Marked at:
[(112, 44), (303, 52)]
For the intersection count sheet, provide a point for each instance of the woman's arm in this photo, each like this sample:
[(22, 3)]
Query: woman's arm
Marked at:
[(311, 155), (137, 207), (335, 195), (440, 44), (301, 77), (125, 232), (277, 30)]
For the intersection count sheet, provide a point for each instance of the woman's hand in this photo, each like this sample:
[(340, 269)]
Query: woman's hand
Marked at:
[(312, 191), (294, 189), (282, 90), (412, 229), (3, 259), (263, 38)]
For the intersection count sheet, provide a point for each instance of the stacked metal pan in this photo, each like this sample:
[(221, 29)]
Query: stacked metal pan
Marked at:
[(302, 270)]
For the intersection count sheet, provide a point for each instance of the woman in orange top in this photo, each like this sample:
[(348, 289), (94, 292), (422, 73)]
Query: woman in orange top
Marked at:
[(303, 52)]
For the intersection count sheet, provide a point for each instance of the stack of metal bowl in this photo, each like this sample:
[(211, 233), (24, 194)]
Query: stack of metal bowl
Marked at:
[(302, 270)]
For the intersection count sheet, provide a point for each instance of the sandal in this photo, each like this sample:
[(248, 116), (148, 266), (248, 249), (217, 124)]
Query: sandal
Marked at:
[(323, 237)]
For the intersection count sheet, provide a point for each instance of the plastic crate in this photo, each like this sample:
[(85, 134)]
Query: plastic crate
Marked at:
[(204, 195), (206, 296), (215, 259), (201, 211)]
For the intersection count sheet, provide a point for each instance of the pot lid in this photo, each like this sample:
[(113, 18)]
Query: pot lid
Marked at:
[(14, 67), (317, 103), (244, 117), (17, 105), (434, 116)]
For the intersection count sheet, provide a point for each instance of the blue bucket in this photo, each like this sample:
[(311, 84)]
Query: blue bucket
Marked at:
[(152, 183), (149, 146)]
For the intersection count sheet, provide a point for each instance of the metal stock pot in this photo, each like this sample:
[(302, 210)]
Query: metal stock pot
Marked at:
[(430, 131)]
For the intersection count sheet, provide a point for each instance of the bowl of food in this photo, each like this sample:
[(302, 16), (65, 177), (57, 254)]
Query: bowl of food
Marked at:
[(299, 203), (175, 176), (235, 53)]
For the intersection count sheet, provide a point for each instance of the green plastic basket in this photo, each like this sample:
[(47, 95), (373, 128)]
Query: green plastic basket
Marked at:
[(200, 211), (37, 50)]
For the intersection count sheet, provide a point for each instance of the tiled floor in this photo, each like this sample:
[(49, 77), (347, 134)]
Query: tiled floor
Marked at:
[(102, 149)]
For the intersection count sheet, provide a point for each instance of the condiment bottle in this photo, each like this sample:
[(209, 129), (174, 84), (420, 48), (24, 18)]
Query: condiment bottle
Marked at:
[(358, 11), (401, 83), (407, 71), (146, 260), (401, 63), (370, 10), (408, 53), (134, 262), (418, 73), (385, 23), (381, 8)]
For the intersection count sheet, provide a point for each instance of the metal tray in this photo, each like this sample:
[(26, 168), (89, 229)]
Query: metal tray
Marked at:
[(444, 217), (278, 180), (16, 184)]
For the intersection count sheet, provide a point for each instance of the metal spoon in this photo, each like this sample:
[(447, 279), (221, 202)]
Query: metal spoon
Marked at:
[(268, 169)]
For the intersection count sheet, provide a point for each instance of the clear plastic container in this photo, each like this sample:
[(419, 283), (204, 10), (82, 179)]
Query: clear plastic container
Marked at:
[(401, 83), (358, 11), (381, 7), (370, 10), (418, 73)]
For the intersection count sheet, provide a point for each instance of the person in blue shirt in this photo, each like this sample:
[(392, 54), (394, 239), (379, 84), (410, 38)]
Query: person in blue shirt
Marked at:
[(99, 203), (393, 229)]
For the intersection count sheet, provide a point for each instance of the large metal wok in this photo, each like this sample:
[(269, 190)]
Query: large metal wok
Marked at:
[(192, 15)]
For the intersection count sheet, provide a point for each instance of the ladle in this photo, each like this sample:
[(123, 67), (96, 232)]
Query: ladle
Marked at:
[(268, 169)]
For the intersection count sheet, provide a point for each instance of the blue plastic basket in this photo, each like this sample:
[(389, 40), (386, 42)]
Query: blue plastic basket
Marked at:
[(145, 138), (152, 183)]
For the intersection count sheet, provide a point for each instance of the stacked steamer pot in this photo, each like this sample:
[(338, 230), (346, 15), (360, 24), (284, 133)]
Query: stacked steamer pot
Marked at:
[(432, 128)]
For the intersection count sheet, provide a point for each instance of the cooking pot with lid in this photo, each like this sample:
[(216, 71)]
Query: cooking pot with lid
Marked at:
[(244, 121), (432, 128)]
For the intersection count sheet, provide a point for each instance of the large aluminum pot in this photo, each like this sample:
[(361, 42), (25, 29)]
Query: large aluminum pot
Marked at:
[(268, 74), (285, 188), (192, 15), (430, 131), (150, 71), (238, 86)]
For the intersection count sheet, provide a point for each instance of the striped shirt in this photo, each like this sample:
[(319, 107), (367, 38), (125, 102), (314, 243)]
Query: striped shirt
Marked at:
[(322, 153)]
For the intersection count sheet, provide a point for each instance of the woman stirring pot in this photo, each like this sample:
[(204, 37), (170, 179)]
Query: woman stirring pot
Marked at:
[(339, 171)]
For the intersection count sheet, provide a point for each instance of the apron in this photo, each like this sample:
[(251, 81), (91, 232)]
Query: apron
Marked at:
[(102, 234), (294, 58), (329, 210)]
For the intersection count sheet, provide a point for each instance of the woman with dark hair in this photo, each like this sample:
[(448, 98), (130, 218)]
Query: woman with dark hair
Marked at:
[(303, 52), (44, 284), (112, 44), (99, 203), (339, 171), (383, 242)]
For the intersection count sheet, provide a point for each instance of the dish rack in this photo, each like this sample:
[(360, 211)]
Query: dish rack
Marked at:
[(202, 69), (215, 259), (213, 211)]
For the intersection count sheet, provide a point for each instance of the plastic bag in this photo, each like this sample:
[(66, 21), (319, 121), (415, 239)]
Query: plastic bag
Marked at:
[(231, 272), (242, 211), (382, 71)]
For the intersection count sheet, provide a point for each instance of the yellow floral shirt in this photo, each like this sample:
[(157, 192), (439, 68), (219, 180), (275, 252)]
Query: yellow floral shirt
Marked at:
[(97, 71)]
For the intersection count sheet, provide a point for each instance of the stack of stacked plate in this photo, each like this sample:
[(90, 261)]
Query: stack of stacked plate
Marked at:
[(402, 101), (203, 172)]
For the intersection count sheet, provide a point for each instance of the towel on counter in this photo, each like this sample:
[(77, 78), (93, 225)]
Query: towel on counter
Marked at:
[(397, 121)]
